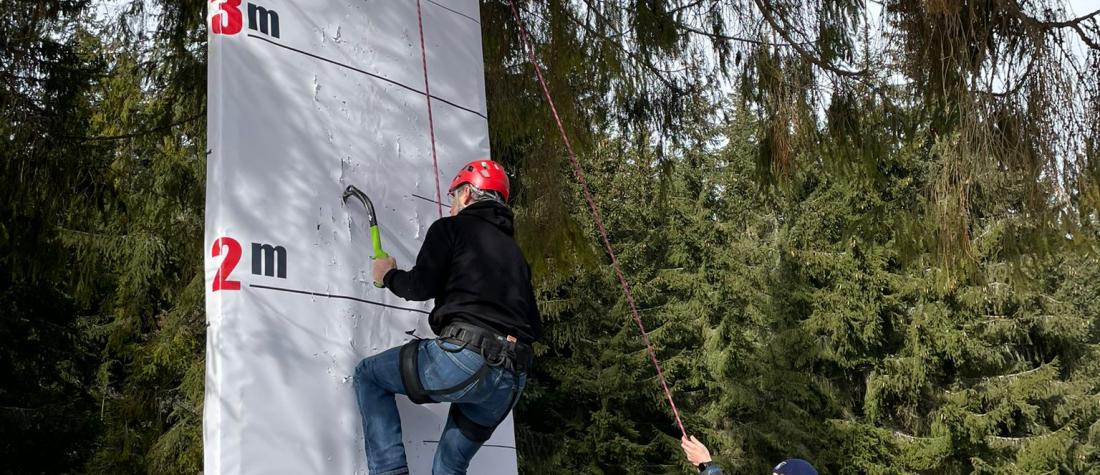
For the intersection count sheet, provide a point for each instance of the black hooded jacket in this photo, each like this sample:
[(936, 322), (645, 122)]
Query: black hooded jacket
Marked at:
[(471, 265)]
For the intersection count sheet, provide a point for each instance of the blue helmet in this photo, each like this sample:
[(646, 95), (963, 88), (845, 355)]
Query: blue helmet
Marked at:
[(794, 467)]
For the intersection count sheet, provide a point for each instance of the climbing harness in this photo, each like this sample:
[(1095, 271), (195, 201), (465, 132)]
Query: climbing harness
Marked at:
[(579, 174), (497, 351), (372, 218), (410, 375)]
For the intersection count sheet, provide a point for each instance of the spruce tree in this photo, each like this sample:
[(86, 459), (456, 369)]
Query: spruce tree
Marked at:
[(48, 420), (861, 258)]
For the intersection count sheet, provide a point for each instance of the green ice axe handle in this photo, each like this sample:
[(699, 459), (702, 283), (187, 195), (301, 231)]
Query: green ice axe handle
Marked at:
[(376, 240)]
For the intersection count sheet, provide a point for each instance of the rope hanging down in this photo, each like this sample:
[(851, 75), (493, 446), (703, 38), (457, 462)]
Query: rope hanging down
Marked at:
[(428, 97), (596, 214)]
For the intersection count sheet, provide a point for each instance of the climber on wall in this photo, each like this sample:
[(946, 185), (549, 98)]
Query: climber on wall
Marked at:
[(486, 319)]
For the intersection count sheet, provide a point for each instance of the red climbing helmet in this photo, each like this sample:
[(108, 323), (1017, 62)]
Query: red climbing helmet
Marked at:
[(485, 175)]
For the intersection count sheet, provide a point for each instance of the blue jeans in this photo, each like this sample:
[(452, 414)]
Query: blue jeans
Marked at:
[(442, 364)]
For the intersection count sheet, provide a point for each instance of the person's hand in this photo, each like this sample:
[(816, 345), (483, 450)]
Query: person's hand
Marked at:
[(379, 267), (695, 451)]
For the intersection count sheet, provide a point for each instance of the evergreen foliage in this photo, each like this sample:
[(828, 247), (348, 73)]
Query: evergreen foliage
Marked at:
[(101, 238), (878, 253)]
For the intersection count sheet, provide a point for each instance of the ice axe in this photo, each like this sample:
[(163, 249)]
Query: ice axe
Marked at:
[(375, 237)]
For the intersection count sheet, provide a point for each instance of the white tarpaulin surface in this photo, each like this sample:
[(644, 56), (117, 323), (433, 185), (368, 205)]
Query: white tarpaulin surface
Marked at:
[(306, 98)]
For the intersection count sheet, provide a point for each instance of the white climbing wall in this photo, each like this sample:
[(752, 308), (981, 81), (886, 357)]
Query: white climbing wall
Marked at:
[(306, 98)]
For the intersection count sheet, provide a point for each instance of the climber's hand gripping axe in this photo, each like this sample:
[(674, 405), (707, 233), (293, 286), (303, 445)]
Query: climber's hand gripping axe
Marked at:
[(375, 238)]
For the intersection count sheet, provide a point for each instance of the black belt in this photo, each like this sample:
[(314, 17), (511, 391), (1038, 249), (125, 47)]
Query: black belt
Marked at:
[(497, 349)]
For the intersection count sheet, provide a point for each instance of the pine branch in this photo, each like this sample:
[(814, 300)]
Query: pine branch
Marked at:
[(1017, 374), (690, 5), (1016, 88), (658, 72), (1018, 441), (717, 36), (797, 46), (22, 410), (154, 130), (1017, 11), (1014, 375), (1066, 23), (913, 438)]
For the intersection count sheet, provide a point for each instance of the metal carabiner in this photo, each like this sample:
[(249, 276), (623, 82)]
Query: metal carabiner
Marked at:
[(501, 358)]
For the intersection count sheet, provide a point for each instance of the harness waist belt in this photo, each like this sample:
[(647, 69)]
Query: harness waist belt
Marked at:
[(497, 349)]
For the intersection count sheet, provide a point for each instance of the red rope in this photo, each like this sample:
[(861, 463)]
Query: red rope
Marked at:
[(428, 96), (596, 216)]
